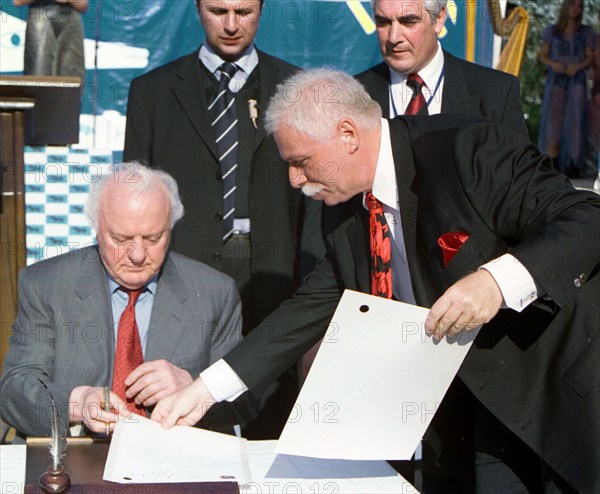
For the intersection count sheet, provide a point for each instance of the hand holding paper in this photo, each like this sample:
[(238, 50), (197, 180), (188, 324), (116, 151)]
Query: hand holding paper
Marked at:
[(466, 305), (185, 407)]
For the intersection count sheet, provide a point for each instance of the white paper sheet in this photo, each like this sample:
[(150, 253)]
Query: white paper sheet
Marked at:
[(274, 474), (142, 452), (374, 385), (13, 459)]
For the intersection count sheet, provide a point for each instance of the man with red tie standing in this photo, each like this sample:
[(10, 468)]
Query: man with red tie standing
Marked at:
[(414, 60)]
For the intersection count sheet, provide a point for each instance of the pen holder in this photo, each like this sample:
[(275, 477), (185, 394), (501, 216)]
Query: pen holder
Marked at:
[(55, 480)]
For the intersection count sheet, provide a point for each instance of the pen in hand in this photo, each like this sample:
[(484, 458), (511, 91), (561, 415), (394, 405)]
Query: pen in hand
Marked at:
[(107, 407)]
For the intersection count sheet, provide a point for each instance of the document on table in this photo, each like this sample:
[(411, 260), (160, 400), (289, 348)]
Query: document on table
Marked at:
[(375, 383), (13, 459), (141, 451), (277, 474)]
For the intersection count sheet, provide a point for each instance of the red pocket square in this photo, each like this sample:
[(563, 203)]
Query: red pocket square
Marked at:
[(450, 243)]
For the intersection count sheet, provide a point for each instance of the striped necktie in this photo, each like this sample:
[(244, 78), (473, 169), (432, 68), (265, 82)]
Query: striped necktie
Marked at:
[(417, 104), (223, 118)]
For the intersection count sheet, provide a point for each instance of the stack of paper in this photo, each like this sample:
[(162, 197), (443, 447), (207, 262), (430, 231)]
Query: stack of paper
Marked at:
[(142, 452), (12, 468)]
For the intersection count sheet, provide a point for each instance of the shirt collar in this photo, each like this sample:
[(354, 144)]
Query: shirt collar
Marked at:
[(384, 183), (247, 61), (430, 74), (150, 286)]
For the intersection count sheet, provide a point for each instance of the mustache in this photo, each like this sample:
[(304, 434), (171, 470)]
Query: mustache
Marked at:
[(311, 190)]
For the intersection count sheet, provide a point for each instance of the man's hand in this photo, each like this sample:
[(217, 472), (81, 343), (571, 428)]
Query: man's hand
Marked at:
[(155, 380), (466, 305), (86, 404), (186, 407)]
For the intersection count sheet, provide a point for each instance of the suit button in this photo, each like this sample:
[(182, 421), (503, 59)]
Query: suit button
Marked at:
[(217, 257), (577, 282), (218, 175), (218, 216)]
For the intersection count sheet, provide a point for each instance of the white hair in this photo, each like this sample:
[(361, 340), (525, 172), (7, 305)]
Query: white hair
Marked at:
[(313, 101), (139, 178), (434, 7)]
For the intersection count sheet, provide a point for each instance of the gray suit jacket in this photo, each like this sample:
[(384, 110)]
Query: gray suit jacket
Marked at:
[(64, 335)]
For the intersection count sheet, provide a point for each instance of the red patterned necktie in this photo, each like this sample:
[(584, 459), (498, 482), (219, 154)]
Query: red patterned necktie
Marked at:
[(129, 354), (417, 102), (381, 249)]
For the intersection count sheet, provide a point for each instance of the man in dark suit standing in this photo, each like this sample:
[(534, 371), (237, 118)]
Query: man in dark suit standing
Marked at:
[(71, 333), (407, 32), (527, 271), (242, 217)]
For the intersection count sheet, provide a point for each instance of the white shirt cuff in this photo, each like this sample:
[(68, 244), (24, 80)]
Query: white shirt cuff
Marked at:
[(516, 284), (222, 382)]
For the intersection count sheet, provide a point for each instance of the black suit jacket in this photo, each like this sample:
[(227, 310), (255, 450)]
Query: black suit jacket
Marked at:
[(468, 88), (536, 371), (167, 126)]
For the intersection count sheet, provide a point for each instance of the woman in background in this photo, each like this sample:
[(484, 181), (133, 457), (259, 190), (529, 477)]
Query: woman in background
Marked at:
[(567, 51)]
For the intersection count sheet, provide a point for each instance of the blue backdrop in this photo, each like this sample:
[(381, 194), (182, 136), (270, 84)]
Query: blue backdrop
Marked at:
[(127, 38)]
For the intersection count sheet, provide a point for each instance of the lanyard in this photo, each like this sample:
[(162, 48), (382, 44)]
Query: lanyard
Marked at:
[(437, 86)]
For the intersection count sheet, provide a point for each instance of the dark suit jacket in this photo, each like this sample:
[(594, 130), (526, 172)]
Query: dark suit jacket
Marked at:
[(64, 331), (468, 88), (167, 126), (536, 371)]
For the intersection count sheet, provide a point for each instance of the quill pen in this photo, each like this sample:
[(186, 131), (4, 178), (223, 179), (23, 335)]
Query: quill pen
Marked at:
[(58, 442)]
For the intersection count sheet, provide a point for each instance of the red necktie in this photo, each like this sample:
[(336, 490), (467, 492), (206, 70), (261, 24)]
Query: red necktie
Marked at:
[(381, 249), (129, 354), (417, 102)]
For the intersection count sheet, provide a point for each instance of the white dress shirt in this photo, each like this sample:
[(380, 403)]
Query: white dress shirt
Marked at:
[(245, 64)]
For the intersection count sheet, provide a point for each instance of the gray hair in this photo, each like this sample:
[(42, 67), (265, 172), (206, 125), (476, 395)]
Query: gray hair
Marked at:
[(434, 7), (313, 101), (140, 178)]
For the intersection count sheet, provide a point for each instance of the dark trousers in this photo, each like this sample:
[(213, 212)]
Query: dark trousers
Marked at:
[(277, 402), (505, 465)]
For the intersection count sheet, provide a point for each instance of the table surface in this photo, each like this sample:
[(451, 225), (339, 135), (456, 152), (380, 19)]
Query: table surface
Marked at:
[(84, 462)]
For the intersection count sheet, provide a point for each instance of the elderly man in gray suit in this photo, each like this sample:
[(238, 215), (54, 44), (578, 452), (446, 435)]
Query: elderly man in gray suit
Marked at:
[(71, 334)]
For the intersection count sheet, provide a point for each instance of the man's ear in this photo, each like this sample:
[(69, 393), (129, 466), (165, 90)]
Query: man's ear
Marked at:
[(348, 134), (440, 21)]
